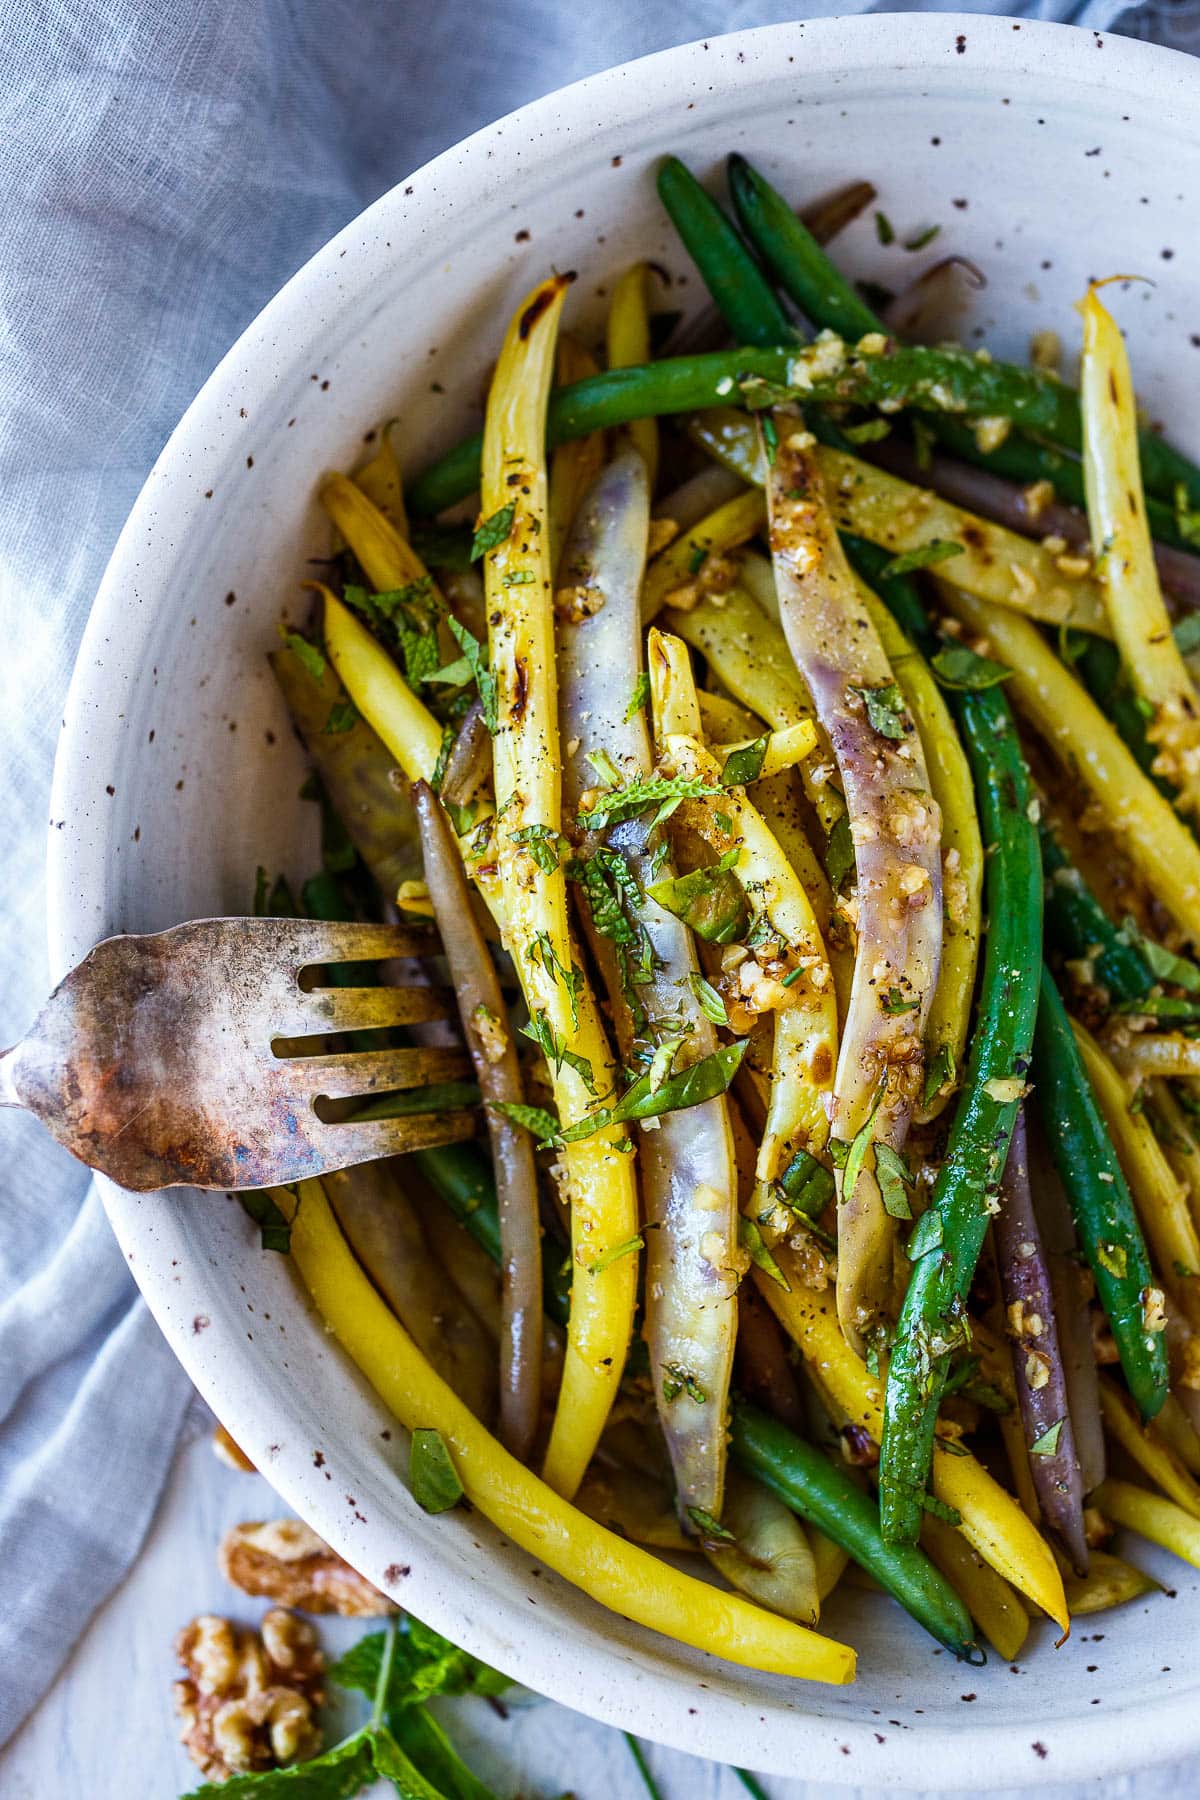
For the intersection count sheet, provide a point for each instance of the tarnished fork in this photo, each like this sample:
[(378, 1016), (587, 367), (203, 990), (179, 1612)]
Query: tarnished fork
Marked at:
[(170, 1060)]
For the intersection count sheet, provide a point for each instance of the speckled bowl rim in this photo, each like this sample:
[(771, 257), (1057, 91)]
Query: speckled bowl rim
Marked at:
[(906, 45)]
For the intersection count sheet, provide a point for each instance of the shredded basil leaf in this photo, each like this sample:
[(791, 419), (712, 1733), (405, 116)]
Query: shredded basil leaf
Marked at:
[(663, 791), (839, 852), (711, 1003), (310, 656), (959, 668), (921, 238), (752, 1242), (710, 900), (275, 1232), (493, 531), (885, 710), (1047, 1444), (940, 1073), (894, 1176), (639, 696), (431, 1472), (556, 1051), (476, 659), (535, 1119), (745, 764), (925, 556), (703, 1080)]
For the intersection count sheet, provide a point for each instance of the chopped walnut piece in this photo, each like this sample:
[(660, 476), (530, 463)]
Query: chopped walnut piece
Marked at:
[(231, 1454), (248, 1701), (285, 1560)]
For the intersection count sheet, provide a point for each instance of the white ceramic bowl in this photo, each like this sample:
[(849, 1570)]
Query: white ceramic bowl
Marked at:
[(1048, 155)]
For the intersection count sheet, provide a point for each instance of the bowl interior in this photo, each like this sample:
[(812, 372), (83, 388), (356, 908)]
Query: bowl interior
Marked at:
[(1048, 156)]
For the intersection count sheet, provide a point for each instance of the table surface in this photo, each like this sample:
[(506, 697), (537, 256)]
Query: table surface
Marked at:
[(106, 1730)]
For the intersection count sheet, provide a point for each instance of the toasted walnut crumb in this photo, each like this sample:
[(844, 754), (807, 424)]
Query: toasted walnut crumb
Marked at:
[(1037, 497), (1189, 1360), (990, 433), (1073, 565), (1037, 1369), (662, 532), (1045, 350), (247, 1702), (286, 1561)]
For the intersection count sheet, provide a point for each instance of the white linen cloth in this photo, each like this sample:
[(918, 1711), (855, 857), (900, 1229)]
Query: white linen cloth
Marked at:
[(164, 167)]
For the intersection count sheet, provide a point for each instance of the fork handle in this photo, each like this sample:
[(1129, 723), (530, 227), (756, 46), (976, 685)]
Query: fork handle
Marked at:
[(9, 1095)]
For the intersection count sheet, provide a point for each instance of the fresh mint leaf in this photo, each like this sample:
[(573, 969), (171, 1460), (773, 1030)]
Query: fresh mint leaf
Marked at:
[(1163, 964), (556, 1051), (894, 1177), (639, 696), (476, 657), (925, 556), (542, 843), (702, 1080), (535, 1119), (839, 852), (309, 655), (274, 1230), (1047, 1444), (884, 230), (919, 240), (431, 1472), (493, 531), (711, 1003), (343, 716), (423, 1664), (885, 710), (336, 1774), (871, 431), (711, 900), (663, 791), (959, 668), (745, 764)]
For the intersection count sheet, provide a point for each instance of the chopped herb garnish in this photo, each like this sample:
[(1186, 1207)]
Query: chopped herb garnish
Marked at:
[(710, 1529), (541, 949), (921, 238), (807, 1185), (1187, 522), (1113, 1258), (493, 531), (925, 556), (678, 1381), (697, 559), (431, 1472), (710, 900), (543, 844), (854, 1153), (894, 1177), (639, 696), (885, 709), (1187, 632), (927, 1234), (535, 1119), (940, 1073), (605, 767), (958, 667), (554, 1048), (309, 655), (518, 578), (770, 437), (343, 716), (894, 1001), (663, 791), (1163, 964), (839, 852), (711, 1003), (884, 229), (1047, 1444), (871, 431), (939, 1510), (275, 1233), (745, 764), (753, 1243), (476, 658), (617, 1252), (702, 1080)]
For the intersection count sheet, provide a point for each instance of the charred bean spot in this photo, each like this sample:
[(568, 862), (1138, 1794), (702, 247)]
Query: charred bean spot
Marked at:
[(544, 298), (822, 1064), (1113, 395), (520, 697)]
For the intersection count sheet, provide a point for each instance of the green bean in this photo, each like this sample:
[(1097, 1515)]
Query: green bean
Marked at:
[(1035, 402), (1079, 927), (808, 1482), (937, 381), (1101, 1204), (933, 1318), (745, 298), (824, 1494)]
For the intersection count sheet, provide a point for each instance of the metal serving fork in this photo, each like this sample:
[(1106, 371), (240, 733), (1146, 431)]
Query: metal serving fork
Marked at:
[(170, 1060)]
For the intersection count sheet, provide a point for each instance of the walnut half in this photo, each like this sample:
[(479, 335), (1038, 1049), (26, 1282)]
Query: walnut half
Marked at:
[(249, 1697), (285, 1560)]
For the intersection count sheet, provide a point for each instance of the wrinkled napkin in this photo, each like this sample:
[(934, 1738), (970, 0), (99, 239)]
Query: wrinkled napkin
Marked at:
[(166, 166)]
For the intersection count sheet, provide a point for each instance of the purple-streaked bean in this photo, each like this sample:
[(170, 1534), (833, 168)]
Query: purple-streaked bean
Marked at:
[(689, 1180), (895, 825), (1071, 1286), (699, 496), (493, 1052), (1037, 1362), (764, 1373), (994, 498), (469, 765)]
